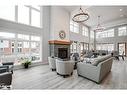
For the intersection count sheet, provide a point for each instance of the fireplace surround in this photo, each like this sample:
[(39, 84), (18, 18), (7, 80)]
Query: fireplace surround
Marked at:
[(60, 49)]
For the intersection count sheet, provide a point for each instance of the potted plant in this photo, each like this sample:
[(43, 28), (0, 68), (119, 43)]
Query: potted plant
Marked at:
[(26, 63)]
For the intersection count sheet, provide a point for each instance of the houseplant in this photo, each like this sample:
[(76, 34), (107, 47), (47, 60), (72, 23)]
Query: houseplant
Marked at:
[(26, 62)]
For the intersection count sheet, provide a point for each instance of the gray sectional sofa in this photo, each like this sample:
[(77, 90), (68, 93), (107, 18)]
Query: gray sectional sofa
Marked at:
[(97, 70)]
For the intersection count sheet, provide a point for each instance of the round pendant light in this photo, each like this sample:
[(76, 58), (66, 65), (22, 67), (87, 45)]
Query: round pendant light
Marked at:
[(99, 28), (81, 16)]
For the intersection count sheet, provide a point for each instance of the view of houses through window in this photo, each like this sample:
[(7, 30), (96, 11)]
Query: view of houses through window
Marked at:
[(16, 46)]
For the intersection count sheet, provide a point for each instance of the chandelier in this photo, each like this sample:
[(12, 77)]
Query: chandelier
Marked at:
[(81, 16), (99, 28)]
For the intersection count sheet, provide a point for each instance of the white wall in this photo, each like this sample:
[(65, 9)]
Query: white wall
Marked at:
[(59, 21), (46, 33), (78, 37)]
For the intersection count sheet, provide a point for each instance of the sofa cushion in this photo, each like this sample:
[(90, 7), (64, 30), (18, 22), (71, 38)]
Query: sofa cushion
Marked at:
[(100, 59), (95, 62)]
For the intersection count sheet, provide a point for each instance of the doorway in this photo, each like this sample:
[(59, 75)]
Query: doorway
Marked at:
[(122, 48)]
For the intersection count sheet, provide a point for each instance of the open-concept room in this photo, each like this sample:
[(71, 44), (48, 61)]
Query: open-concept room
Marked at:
[(63, 47)]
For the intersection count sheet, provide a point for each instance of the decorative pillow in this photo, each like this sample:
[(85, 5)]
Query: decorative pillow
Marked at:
[(95, 62)]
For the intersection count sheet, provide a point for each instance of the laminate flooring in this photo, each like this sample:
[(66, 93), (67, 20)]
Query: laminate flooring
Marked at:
[(41, 77)]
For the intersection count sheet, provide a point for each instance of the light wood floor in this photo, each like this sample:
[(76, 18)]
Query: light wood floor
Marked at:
[(41, 77)]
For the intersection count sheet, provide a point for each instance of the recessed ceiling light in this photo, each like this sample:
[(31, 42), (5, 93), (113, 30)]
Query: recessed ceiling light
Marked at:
[(121, 9), (121, 15)]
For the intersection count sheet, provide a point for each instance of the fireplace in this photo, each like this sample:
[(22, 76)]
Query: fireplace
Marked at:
[(60, 49), (63, 53)]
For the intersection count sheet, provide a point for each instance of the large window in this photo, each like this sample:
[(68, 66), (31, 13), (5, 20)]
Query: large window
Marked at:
[(28, 15), (73, 47), (84, 47), (35, 38), (92, 34), (122, 31), (74, 27), (24, 37), (104, 34), (35, 18), (14, 47), (7, 52), (7, 35), (7, 12), (23, 14), (105, 46), (85, 31)]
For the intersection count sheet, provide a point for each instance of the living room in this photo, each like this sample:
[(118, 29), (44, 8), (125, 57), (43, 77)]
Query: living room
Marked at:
[(60, 52)]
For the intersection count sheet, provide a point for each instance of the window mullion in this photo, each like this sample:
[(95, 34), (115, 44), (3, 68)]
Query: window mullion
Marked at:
[(30, 15)]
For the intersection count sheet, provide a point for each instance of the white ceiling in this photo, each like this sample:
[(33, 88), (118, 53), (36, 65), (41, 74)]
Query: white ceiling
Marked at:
[(107, 13)]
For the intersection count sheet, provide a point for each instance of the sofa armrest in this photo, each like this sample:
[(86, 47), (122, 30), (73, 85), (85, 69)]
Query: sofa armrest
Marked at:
[(8, 63), (6, 67), (89, 71)]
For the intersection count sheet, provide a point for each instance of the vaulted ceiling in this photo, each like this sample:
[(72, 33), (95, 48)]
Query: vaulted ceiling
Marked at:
[(107, 13)]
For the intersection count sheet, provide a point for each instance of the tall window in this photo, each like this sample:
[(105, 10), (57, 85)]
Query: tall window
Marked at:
[(7, 12), (7, 35), (35, 38), (14, 47), (24, 37), (105, 46), (23, 14), (75, 47), (35, 18), (74, 27), (122, 31), (35, 47), (81, 47), (28, 15), (110, 33), (92, 34), (85, 31), (105, 34), (86, 46)]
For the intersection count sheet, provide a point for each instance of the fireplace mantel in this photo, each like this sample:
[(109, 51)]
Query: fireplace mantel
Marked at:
[(58, 46), (60, 42)]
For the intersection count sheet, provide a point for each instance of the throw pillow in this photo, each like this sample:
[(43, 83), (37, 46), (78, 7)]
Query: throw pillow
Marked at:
[(95, 62)]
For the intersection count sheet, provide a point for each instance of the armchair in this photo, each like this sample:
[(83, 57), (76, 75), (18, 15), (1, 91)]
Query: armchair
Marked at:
[(64, 68), (52, 63), (4, 69), (5, 79), (9, 65)]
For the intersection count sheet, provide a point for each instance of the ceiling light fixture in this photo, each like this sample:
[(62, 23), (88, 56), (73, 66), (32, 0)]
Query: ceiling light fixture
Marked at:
[(121, 9), (99, 28), (81, 16)]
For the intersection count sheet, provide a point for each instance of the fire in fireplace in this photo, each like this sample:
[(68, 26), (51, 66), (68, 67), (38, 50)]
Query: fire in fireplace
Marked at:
[(63, 53)]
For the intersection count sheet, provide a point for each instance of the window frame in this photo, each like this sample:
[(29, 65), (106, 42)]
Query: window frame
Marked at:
[(85, 31), (30, 8), (75, 26), (16, 47), (106, 33), (122, 31)]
